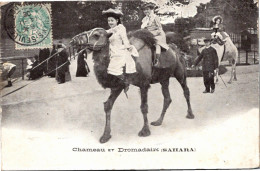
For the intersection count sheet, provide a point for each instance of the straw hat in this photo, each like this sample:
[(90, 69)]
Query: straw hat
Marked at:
[(207, 40), (113, 12), (214, 19), (150, 5)]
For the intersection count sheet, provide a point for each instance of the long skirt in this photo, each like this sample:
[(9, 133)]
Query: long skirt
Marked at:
[(120, 59), (82, 66)]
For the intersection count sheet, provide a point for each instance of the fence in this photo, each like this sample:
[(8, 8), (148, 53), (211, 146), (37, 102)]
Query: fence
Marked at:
[(20, 62), (245, 57), (19, 57)]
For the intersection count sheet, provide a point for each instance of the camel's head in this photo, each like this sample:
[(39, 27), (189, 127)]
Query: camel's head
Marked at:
[(94, 39)]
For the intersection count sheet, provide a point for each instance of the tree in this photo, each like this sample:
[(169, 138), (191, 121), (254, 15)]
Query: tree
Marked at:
[(71, 18), (238, 15)]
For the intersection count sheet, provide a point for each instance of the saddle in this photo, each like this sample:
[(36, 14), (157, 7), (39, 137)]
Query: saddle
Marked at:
[(219, 41), (167, 59)]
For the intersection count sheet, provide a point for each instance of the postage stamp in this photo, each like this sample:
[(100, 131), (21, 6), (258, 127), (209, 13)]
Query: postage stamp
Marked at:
[(33, 26)]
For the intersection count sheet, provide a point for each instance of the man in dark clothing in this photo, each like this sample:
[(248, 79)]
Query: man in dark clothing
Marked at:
[(52, 62), (43, 55), (82, 66), (209, 64), (62, 63)]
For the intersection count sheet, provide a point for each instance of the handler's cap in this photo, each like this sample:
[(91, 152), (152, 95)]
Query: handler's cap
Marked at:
[(150, 5), (112, 12), (214, 19), (207, 40)]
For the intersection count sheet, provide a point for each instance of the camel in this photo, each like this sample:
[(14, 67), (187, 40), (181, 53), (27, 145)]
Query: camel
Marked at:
[(226, 52), (96, 41)]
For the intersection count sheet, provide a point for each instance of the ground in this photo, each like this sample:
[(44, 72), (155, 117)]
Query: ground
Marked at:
[(44, 121)]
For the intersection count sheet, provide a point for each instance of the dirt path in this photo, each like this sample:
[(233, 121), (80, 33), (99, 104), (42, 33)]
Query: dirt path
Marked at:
[(44, 121)]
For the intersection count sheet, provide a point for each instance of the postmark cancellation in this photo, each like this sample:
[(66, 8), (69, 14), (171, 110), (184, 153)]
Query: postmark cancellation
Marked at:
[(33, 26)]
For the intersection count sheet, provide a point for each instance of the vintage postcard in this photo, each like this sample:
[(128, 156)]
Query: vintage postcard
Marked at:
[(133, 84)]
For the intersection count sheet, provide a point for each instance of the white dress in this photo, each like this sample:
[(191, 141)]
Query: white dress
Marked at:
[(120, 56)]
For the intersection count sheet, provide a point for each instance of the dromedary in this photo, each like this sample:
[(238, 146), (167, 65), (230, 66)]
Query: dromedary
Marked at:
[(97, 41)]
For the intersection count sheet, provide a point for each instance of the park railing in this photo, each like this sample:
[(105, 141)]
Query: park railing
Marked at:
[(20, 62), (249, 56)]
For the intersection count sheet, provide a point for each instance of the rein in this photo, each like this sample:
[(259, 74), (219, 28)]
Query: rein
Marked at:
[(141, 47), (92, 47), (48, 58), (35, 80)]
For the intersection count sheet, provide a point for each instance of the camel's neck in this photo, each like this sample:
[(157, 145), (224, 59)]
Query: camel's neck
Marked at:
[(101, 57), (101, 61)]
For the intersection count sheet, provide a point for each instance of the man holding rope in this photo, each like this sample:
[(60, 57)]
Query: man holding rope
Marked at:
[(209, 59)]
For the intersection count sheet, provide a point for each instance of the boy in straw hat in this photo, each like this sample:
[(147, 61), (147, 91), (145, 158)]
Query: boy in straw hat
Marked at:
[(151, 22)]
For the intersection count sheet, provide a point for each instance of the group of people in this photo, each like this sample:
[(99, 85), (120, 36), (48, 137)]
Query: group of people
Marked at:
[(209, 57), (121, 50), (54, 63)]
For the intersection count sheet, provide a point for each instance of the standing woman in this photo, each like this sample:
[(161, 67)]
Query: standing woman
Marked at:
[(82, 66), (151, 22), (43, 55), (120, 49), (52, 62), (62, 64)]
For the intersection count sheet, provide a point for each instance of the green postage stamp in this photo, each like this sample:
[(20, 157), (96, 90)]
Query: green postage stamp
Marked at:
[(33, 26)]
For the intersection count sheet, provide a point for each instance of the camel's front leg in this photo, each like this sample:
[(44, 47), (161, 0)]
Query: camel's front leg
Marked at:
[(108, 105), (144, 108)]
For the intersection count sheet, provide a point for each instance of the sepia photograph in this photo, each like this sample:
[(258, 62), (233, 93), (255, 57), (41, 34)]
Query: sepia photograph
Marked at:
[(129, 84)]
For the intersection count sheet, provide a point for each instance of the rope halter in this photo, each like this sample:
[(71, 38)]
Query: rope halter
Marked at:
[(83, 39)]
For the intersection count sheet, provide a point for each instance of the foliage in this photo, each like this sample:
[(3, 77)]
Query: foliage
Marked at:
[(238, 14), (181, 29), (70, 18), (133, 14)]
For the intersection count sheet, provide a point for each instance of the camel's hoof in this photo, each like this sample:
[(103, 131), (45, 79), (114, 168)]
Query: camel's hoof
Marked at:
[(235, 79), (104, 138), (190, 116), (156, 123), (144, 132), (229, 82)]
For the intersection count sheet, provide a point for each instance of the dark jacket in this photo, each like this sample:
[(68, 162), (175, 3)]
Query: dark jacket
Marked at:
[(62, 61), (62, 65), (210, 59), (52, 63), (43, 55), (82, 67)]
